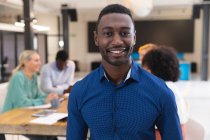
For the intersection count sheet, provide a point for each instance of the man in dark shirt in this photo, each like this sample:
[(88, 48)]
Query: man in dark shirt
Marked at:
[(119, 100)]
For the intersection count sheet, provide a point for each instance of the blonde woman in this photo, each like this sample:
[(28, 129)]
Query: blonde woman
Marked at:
[(23, 90)]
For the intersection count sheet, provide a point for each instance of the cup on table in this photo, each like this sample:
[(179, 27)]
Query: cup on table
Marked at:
[(55, 103)]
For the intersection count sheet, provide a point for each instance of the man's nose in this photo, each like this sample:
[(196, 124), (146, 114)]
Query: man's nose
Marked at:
[(117, 40)]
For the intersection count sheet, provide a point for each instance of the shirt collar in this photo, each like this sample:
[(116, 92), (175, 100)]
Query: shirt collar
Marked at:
[(132, 73)]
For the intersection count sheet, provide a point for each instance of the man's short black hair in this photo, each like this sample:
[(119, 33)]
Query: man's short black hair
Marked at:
[(114, 8), (62, 55)]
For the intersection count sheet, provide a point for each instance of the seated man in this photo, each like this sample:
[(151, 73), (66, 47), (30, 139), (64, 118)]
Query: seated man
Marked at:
[(58, 76)]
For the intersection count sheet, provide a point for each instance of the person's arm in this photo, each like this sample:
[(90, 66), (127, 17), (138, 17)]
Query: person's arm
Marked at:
[(158, 137), (46, 84), (76, 126), (47, 97), (183, 131), (21, 96), (68, 90), (168, 122)]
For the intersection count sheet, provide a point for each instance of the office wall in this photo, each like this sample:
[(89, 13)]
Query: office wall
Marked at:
[(51, 21), (196, 55), (79, 41)]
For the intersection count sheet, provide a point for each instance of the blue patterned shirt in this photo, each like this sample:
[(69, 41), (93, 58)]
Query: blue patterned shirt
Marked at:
[(128, 111)]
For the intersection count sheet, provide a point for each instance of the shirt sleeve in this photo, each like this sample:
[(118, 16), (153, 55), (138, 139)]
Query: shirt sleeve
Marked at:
[(21, 97), (76, 126), (46, 83), (168, 122)]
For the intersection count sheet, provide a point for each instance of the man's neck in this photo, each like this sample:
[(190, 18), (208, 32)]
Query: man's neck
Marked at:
[(116, 74)]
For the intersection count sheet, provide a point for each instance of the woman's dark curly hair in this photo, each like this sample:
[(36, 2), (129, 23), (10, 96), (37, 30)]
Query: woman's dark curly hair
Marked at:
[(162, 62)]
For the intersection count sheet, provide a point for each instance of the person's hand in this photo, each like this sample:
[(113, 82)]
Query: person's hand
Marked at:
[(67, 90), (66, 95), (50, 97)]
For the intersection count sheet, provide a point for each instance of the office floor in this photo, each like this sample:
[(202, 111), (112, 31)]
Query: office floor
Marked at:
[(197, 94)]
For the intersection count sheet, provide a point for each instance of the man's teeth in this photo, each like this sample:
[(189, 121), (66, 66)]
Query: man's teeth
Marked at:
[(116, 52)]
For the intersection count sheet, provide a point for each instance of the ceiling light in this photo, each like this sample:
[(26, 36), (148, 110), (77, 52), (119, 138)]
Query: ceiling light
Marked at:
[(141, 8), (61, 43), (36, 27), (19, 24), (40, 28)]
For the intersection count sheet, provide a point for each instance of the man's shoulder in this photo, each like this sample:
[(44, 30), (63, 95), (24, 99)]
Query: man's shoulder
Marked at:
[(147, 77), (83, 87), (70, 64), (154, 82), (89, 79), (48, 66)]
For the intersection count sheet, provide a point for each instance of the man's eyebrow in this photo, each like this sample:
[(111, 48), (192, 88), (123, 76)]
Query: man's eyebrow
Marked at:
[(128, 28), (108, 27)]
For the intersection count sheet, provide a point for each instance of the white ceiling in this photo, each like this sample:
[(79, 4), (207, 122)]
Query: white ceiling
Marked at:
[(54, 6)]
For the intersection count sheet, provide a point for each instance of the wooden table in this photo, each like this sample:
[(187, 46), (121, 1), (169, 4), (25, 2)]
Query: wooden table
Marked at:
[(17, 122)]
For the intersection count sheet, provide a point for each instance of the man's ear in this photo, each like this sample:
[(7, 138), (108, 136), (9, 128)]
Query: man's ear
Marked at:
[(134, 43), (134, 38), (96, 38)]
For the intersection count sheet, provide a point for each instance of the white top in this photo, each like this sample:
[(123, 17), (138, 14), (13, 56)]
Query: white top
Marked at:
[(181, 103), (53, 80), (3, 94)]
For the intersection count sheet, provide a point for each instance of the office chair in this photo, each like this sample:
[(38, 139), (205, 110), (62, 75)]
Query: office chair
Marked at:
[(194, 130)]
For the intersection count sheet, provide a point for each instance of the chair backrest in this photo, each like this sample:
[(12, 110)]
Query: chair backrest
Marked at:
[(3, 93), (194, 130)]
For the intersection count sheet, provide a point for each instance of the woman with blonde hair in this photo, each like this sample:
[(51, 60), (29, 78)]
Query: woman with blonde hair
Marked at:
[(23, 89)]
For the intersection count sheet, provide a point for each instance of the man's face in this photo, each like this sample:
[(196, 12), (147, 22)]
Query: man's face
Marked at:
[(61, 64), (115, 38)]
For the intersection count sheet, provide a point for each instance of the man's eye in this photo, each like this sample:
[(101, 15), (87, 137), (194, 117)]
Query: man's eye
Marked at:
[(125, 34), (108, 34)]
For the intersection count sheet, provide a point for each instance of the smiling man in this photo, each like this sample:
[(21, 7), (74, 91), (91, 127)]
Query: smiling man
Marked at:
[(119, 100)]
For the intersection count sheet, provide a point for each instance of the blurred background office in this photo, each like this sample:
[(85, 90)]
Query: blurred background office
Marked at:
[(68, 24)]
